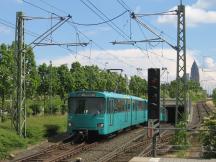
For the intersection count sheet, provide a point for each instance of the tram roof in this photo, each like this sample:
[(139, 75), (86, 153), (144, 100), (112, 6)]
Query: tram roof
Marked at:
[(103, 94)]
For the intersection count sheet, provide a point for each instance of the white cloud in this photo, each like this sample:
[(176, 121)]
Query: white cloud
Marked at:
[(205, 4), (195, 14), (208, 74), (209, 63)]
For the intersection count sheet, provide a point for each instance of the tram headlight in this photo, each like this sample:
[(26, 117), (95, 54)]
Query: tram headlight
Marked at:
[(100, 125), (69, 124)]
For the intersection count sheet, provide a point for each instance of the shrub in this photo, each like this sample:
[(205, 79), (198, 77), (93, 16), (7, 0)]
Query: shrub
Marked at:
[(9, 140), (36, 108)]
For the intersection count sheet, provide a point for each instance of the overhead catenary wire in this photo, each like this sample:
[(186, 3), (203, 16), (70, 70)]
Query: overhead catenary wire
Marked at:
[(85, 24), (100, 23), (125, 6), (30, 33), (152, 31), (172, 12), (126, 38), (111, 24), (49, 31), (96, 44), (47, 11)]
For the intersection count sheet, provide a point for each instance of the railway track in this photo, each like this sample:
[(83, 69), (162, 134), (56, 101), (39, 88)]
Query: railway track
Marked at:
[(65, 151), (202, 110), (57, 152), (138, 146)]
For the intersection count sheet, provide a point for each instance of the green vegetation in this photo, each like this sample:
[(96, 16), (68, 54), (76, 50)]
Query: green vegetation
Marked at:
[(47, 89), (39, 128), (195, 91), (47, 86), (180, 139), (214, 96), (208, 137)]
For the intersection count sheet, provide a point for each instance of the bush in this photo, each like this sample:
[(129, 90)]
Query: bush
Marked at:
[(208, 137), (180, 138), (36, 108), (63, 109), (9, 140)]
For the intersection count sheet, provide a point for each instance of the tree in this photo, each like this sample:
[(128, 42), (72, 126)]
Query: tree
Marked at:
[(214, 96), (138, 86), (32, 77), (66, 81), (6, 73), (78, 74)]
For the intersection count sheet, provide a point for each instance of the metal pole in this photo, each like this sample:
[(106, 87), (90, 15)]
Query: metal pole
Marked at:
[(154, 143), (181, 89), (50, 89), (19, 120)]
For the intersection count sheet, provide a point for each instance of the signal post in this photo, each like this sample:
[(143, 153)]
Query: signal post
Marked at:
[(153, 106)]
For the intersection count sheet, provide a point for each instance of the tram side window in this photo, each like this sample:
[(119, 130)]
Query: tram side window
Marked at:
[(119, 105), (140, 105), (128, 105)]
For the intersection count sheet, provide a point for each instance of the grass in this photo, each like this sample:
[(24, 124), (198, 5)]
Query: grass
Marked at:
[(38, 129)]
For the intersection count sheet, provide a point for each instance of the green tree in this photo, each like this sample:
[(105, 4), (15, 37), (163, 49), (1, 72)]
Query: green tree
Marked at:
[(6, 73), (32, 77), (138, 86), (66, 82), (78, 73), (214, 96)]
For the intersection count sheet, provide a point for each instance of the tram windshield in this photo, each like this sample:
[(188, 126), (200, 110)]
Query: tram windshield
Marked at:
[(87, 105)]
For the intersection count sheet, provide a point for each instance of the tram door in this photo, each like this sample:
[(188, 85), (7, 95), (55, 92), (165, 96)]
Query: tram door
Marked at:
[(111, 111), (127, 108), (135, 109)]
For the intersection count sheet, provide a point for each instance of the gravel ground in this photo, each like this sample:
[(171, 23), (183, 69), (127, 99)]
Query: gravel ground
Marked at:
[(108, 145), (36, 148)]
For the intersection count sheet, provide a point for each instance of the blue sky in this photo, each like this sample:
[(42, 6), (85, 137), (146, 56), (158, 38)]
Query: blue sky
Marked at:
[(201, 24)]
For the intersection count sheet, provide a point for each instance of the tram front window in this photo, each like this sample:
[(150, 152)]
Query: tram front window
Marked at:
[(89, 105)]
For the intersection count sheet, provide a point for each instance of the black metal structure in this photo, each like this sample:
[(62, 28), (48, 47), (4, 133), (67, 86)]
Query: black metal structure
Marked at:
[(154, 93)]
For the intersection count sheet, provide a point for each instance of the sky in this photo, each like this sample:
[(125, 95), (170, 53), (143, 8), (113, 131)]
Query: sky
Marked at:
[(200, 34)]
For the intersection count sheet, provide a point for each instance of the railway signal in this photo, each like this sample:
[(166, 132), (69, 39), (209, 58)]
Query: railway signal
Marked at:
[(154, 93), (153, 106)]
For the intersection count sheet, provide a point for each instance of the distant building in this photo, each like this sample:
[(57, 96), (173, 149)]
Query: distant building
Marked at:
[(194, 72)]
